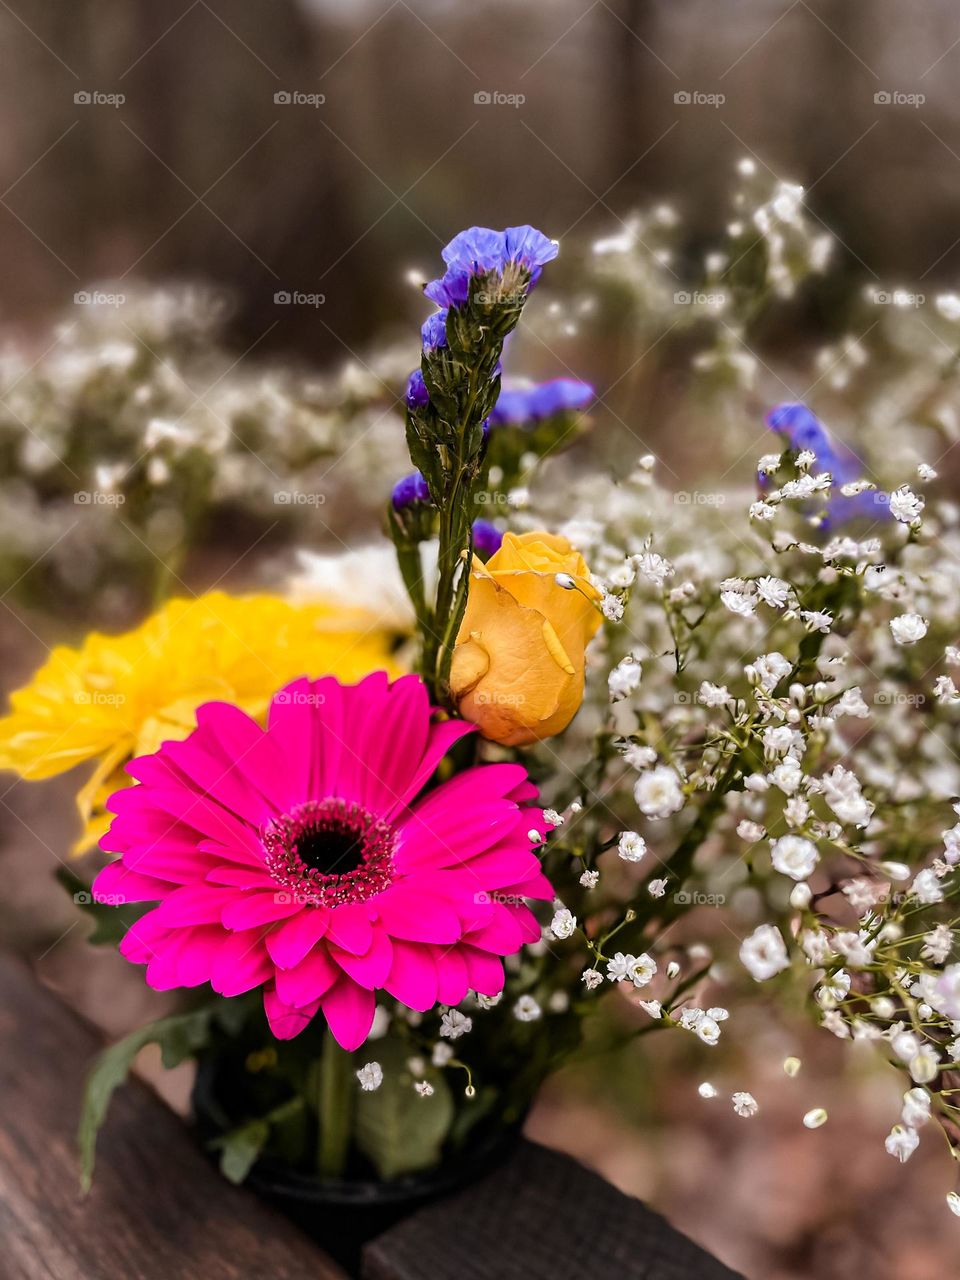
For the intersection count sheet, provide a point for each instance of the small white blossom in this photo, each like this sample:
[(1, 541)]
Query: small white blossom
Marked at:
[(658, 792), (591, 979), (564, 924), (926, 887), (612, 608), (764, 953), (773, 591), (642, 969), (794, 856), (655, 567), (905, 505), (370, 1076), (657, 888), (631, 847), (902, 1143), (908, 628), (745, 1104), (713, 695), (454, 1024), (841, 790), (442, 1053), (916, 1108), (590, 879), (624, 679), (618, 969), (424, 1088), (527, 1010)]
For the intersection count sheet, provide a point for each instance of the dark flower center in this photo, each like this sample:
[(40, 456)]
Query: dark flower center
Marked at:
[(329, 852)]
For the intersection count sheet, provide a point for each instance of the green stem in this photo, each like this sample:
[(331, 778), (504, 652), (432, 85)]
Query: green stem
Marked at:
[(334, 1108)]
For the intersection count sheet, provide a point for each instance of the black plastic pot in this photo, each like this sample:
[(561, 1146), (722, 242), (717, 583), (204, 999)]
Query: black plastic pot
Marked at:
[(344, 1214)]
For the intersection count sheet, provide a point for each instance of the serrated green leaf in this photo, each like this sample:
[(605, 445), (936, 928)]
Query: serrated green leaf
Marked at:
[(399, 1131)]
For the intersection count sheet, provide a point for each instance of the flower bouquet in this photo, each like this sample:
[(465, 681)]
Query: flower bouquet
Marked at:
[(627, 756)]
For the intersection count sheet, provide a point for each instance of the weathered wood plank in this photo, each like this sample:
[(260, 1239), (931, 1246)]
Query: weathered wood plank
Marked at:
[(542, 1217), (158, 1209)]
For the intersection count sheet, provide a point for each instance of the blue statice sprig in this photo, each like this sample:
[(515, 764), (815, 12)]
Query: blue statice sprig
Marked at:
[(480, 298)]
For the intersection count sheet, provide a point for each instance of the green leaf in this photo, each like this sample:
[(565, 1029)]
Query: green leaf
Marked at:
[(240, 1148), (396, 1128), (179, 1036)]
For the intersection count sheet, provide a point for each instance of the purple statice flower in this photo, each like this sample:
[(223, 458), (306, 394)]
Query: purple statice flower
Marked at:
[(486, 538), (804, 430), (433, 331), (410, 489), (531, 404), (480, 250), (416, 394)]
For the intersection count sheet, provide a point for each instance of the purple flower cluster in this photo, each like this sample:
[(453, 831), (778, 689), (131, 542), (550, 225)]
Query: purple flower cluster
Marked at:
[(533, 404), (411, 489), (479, 251), (486, 538)]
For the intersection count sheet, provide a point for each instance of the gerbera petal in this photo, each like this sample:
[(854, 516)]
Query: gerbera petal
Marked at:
[(249, 910), (502, 934), (485, 971), (286, 1022), (368, 970), (411, 912), (118, 884), (349, 927), (196, 957), (194, 904), (442, 737), (349, 1011), (307, 981), (241, 964), (453, 979), (294, 938), (413, 976), (290, 724)]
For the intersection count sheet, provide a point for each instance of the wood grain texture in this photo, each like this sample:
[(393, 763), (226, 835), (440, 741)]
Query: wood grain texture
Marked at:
[(542, 1217), (158, 1210)]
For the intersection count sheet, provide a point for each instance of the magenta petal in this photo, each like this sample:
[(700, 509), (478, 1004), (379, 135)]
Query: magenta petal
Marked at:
[(144, 939), (194, 904), (195, 960), (485, 971), (349, 1011), (408, 911), (285, 1022), (503, 935), (161, 972), (413, 976), (307, 981), (118, 884), (349, 927), (241, 964), (442, 737), (453, 980), (290, 724), (294, 938), (369, 970), (539, 887), (247, 911)]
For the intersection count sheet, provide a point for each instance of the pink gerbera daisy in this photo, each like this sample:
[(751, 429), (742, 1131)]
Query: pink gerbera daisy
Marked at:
[(303, 857)]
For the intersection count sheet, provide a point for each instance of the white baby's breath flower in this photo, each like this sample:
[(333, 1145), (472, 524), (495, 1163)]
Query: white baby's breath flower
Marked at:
[(773, 591), (764, 953), (657, 888), (564, 924), (841, 790), (901, 1143), (624, 679), (908, 628), (591, 978), (370, 1076), (631, 847), (424, 1088), (713, 695), (745, 1104), (590, 879), (658, 792), (642, 969), (905, 505), (749, 831), (526, 1009), (926, 887), (655, 567), (618, 968), (454, 1024), (612, 608), (794, 856)]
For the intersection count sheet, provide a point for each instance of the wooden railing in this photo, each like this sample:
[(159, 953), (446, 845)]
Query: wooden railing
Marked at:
[(159, 1210)]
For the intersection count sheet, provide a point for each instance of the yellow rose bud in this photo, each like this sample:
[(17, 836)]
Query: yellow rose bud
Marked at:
[(517, 669)]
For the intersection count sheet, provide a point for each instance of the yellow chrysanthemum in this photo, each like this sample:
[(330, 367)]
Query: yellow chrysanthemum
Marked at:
[(121, 696)]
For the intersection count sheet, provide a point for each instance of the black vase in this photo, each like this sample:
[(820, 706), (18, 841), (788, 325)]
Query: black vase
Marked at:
[(344, 1214)]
